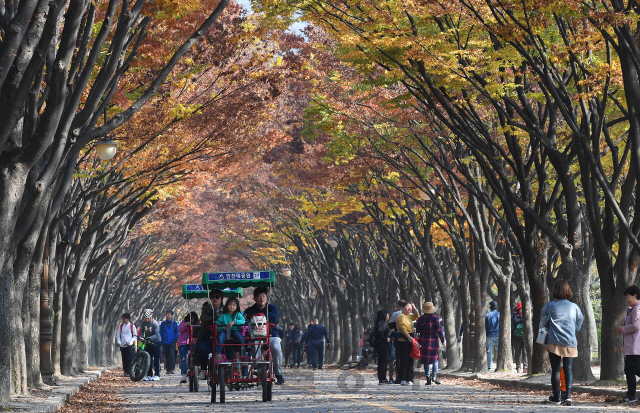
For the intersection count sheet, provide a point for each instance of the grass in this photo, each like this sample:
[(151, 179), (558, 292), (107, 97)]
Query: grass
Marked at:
[(611, 382)]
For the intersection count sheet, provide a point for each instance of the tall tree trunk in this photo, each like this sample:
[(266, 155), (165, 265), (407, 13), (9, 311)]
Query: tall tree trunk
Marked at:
[(12, 180), (579, 283), (505, 359), (536, 267)]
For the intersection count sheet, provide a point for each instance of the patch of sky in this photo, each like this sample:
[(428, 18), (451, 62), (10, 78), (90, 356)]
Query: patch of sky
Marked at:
[(296, 28)]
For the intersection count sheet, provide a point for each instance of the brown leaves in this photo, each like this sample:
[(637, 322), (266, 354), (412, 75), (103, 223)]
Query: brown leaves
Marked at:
[(101, 395)]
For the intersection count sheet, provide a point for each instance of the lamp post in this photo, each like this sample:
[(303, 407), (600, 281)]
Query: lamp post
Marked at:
[(424, 196), (286, 272), (106, 149), (122, 260), (333, 242)]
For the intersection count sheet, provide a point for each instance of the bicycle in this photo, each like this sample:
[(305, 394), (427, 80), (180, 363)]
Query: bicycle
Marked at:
[(361, 362), (141, 362)]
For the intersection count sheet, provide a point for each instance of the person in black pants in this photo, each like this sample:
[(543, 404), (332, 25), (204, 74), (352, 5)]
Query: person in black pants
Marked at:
[(382, 344), (631, 339), (126, 337), (405, 343)]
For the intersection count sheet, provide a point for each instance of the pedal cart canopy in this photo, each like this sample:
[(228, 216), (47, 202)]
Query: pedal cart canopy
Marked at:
[(190, 291), (239, 279)]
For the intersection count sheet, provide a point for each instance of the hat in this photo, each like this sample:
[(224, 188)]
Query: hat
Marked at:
[(148, 313), (519, 306), (429, 308)]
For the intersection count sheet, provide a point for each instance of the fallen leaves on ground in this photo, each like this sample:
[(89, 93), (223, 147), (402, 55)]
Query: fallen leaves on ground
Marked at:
[(575, 397), (100, 395)]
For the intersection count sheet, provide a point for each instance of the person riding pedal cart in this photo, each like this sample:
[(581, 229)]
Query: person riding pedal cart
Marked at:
[(261, 307)]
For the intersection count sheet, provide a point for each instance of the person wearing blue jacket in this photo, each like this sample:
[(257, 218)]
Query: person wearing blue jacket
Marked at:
[(316, 336), (492, 327), (563, 320), (169, 335)]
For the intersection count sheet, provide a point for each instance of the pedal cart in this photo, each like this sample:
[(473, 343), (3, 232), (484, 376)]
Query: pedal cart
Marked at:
[(226, 374), (198, 291)]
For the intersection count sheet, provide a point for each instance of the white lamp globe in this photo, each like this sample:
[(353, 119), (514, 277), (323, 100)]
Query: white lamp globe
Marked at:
[(332, 241), (106, 149), (286, 272), (121, 260)]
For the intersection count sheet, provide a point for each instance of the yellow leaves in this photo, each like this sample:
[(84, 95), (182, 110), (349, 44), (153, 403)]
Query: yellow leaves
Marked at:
[(181, 111)]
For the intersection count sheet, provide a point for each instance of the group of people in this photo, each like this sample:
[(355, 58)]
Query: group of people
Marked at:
[(160, 340), (169, 335), (394, 336), (492, 329), (561, 319), (312, 340)]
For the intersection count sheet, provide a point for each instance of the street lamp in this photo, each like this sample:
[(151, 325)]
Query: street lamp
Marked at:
[(106, 149), (333, 242), (286, 272), (423, 195), (122, 260)]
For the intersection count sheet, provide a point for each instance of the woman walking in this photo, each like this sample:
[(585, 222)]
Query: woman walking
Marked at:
[(429, 328), (631, 340), (405, 343), (562, 319), (382, 344), (184, 337)]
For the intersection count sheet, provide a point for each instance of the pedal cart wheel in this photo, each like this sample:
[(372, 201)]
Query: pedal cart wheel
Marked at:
[(222, 380), (265, 385)]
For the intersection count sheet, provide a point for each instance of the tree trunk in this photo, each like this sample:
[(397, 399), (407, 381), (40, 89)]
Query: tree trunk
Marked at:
[(68, 350), (580, 287), (536, 268), (505, 360), (448, 311), (12, 180), (18, 354)]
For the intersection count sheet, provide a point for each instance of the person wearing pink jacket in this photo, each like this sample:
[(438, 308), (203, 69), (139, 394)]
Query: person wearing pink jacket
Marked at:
[(183, 342), (631, 342)]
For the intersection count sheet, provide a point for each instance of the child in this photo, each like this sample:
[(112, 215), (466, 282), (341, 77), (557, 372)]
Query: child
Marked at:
[(184, 340), (231, 316)]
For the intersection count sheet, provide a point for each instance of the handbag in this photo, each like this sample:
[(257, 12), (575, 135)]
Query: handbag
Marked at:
[(543, 332), (415, 350)]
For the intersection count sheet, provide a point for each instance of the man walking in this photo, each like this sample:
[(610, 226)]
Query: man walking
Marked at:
[(169, 335), (288, 346), (317, 335), (492, 327), (126, 337), (150, 330)]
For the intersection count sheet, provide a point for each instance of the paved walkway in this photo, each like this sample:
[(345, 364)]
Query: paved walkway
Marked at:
[(352, 391)]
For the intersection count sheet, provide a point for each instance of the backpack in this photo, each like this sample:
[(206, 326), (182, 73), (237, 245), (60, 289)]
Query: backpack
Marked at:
[(519, 330), (130, 325), (259, 325), (372, 338)]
